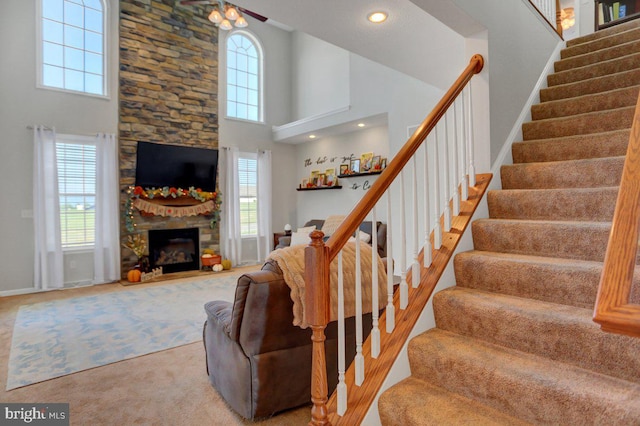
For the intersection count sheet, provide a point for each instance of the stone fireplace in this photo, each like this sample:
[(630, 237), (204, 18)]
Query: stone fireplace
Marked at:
[(168, 82), (176, 250)]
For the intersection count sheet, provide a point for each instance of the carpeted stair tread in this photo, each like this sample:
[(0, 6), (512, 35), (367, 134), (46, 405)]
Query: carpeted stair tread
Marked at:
[(601, 43), (552, 279), (599, 69), (542, 328), (579, 147), (598, 56), (612, 99), (588, 204), (581, 124), (592, 85), (571, 240), (523, 385), (419, 403), (586, 173), (608, 32)]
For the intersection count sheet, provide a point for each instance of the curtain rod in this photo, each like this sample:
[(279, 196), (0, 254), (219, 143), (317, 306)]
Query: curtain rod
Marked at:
[(30, 127)]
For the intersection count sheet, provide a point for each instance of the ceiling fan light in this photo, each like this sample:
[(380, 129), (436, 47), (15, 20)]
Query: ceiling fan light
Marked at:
[(225, 25), (231, 13), (215, 16), (241, 22)]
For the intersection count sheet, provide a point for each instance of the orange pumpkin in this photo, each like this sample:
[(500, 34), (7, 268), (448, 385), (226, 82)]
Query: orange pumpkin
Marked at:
[(134, 276)]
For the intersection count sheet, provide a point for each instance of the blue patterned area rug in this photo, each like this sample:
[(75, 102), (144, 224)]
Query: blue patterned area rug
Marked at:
[(53, 339)]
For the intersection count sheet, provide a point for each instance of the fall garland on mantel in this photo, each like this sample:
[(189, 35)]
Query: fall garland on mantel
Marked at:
[(171, 202)]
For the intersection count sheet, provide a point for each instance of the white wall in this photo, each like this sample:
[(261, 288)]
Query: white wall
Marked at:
[(320, 80), (23, 104), (328, 153), (249, 136)]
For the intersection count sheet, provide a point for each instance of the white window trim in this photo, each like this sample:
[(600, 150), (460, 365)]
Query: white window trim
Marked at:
[(105, 55), (250, 156), (78, 140), (256, 42)]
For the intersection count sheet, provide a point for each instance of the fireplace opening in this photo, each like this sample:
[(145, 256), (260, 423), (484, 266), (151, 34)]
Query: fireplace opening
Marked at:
[(176, 250)]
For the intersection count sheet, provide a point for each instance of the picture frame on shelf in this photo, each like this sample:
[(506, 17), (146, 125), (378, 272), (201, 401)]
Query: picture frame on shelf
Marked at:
[(330, 177), (355, 166), (365, 161), (383, 163), (375, 163), (305, 183), (344, 169)]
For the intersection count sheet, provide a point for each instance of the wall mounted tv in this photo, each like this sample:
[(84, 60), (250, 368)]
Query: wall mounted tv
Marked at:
[(160, 165)]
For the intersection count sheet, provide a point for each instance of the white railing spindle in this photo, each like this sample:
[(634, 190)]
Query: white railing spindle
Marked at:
[(390, 309), (437, 229), (446, 211), (375, 330), (427, 252), (472, 167), (342, 387), (464, 181), (404, 287), (415, 271), (359, 359), (454, 162)]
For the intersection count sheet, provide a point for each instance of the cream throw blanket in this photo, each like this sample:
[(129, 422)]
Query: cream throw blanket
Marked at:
[(291, 262)]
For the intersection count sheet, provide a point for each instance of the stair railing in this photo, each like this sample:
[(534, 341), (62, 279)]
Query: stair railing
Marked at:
[(550, 10), (446, 164), (613, 311)]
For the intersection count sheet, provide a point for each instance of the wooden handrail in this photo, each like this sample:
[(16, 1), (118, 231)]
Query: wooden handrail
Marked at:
[(613, 311), (318, 256)]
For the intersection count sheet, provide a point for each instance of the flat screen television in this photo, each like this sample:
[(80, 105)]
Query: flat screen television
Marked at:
[(160, 165)]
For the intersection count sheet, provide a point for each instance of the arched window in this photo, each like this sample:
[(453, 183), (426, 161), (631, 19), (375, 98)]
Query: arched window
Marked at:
[(72, 45), (244, 77)]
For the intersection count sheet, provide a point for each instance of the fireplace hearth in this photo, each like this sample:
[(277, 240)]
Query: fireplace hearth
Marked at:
[(176, 250)]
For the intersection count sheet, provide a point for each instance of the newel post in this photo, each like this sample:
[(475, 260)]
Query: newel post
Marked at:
[(317, 311)]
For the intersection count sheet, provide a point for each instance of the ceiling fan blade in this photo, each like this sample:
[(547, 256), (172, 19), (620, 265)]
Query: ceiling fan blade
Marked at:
[(253, 14)]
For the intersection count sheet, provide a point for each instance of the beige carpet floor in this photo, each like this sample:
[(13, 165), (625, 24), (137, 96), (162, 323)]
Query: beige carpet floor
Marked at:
[(165, 388)]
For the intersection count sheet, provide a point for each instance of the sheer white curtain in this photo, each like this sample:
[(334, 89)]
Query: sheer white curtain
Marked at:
[(48, 264), (106, 255), (265, 237), (230, 240)]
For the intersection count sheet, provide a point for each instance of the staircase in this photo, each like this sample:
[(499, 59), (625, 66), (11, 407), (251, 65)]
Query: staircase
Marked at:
[(514, 341)]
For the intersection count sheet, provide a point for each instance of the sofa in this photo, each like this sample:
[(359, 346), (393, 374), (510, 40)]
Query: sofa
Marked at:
[(285, 241), (257, 360)]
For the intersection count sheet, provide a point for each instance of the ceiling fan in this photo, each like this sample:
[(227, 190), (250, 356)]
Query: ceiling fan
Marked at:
[(221, 5)]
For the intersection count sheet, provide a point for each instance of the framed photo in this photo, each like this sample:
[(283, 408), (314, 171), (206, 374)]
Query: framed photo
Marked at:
[(383, 163), (365, 161), (305, 182), (355, 166), (344, 169), (314, 173), (375, 163)]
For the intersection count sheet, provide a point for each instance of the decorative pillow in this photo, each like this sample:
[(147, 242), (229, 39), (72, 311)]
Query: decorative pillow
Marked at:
[(331, 224), (298, 238), (307, 229), (364, 237)]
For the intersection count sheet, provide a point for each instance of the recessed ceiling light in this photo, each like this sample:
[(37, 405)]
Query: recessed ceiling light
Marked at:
[(377, 17), (312, 136), (360, 124)]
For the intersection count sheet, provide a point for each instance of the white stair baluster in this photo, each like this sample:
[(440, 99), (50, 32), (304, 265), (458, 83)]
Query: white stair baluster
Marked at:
[(359, 359), (342, 387), (437, 229), (415, 271), (464, 181), (375, 330), (446, 211), (472, 167), (427, 251), (390, 310), (404, 287), (454, 161)]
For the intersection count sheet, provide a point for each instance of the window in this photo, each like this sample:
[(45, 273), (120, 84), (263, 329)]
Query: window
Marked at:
[(247, 178), (244, 69), (72, 45), (76, 157)]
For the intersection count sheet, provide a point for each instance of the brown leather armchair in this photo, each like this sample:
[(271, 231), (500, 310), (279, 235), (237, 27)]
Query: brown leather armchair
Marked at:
[(259, 362)]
